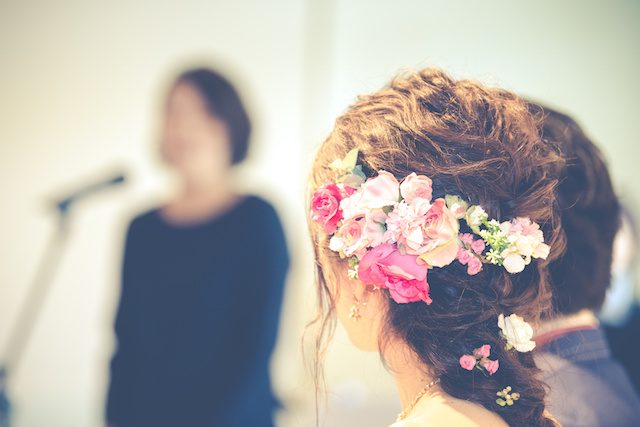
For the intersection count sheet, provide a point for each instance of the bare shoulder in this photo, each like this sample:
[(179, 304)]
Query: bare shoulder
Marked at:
[(447, 411)]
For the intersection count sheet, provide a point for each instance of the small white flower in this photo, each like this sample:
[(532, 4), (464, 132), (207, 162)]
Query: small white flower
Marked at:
[(475, 216), (517, 332)]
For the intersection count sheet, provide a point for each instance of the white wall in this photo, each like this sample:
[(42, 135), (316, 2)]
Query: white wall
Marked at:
[(79, 85)]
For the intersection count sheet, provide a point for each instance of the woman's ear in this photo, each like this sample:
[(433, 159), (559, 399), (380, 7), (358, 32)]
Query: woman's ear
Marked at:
[(363, 314)]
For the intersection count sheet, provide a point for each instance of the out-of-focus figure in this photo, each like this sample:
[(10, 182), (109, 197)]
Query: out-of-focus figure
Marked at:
[(621, 312), (202, 279), (587, 385)]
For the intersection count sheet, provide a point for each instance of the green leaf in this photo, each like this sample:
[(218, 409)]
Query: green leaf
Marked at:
[(347, 164)]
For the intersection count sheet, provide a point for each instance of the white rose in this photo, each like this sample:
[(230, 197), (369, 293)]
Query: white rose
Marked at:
[(517, 332), (513, 263)]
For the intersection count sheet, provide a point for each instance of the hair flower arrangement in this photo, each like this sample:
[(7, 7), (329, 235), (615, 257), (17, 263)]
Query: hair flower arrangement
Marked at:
[(480, 360), (392, 232)]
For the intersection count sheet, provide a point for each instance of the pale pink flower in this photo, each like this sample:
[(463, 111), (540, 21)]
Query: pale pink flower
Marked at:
[(466, 238), (491, 366), (404, 225), (526, 239), (483, 351), (463, 256), (441, 231), (374, 228), (358, 233), (416, 186), (348, 238), (474, 265), (523, 226), (478, 246), (468, 362), (381, 191)]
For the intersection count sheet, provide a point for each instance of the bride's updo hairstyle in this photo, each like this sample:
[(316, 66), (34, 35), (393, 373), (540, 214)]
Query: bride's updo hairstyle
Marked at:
[(483, 145)]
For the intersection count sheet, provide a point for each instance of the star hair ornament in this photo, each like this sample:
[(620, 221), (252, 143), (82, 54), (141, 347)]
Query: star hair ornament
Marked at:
[(393, 232)]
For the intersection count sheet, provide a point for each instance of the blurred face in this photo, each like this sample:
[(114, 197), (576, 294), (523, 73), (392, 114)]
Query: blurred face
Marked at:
[(194, 142)]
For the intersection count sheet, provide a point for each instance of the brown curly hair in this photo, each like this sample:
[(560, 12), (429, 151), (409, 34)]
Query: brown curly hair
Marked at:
[(484, 145)]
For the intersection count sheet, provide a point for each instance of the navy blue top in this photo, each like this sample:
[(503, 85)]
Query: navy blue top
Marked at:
[(198, 319), (587, 386)]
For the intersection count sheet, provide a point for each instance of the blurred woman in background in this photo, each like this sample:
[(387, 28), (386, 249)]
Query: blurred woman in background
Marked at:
[(202, 279)]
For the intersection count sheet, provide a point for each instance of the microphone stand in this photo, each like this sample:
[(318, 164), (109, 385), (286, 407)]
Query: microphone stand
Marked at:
[(36, 296)]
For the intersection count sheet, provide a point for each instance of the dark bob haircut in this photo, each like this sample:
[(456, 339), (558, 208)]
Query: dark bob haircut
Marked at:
[(223, 102), (590, 213)]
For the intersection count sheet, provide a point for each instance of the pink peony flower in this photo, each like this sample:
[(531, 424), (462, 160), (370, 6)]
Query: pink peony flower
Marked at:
[(491, 366), (325, 206), (474, 265), (483, 351), (404, 225), (478, 246), (441, 231), (416, 186), (403, 275), (468, 362)]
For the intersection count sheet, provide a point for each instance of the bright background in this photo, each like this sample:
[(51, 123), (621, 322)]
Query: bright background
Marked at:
[(80, 84)]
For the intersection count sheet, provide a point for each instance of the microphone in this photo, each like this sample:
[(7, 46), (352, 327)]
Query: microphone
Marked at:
[(65, 203)]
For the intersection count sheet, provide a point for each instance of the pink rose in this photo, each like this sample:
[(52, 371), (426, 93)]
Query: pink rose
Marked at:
[(468, 362), (416, 187), (348, 238), (483, 351), (325, 206), (441, 230), (403, 275), (491, 366), (356, 234), (478, 246), (380, 191), (474, 266)]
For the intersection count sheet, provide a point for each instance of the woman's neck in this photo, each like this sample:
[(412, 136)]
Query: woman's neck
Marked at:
[(201, 200), (409, 373)]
